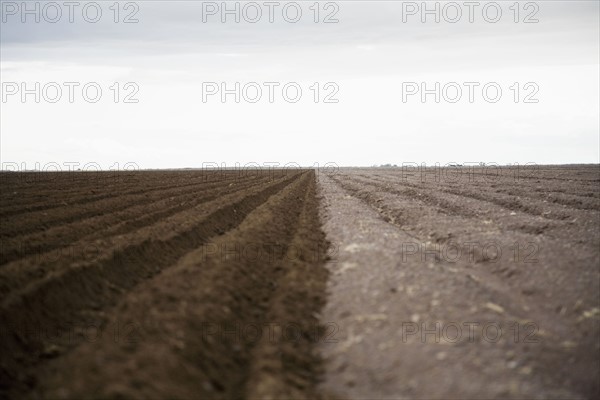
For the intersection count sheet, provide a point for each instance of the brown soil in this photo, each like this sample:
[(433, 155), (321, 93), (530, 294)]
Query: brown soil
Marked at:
[(160, 284), (423, 256), (219, 285)]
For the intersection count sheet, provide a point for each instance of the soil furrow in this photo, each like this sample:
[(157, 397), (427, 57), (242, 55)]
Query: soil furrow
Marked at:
[(38, 221), (181, 320), (108, 224), (393, 303), (96, 285), (15, 275), (547, 211), (57, 193)]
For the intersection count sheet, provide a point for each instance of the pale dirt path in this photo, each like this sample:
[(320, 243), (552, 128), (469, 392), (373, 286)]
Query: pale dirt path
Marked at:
[(376, 297)]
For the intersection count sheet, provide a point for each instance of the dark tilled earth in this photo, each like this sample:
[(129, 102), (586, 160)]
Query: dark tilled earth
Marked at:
[(161, 284), (362, 283)]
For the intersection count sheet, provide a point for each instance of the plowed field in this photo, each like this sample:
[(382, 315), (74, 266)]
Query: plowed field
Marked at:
[(160, 284), (464, 283), (362, 283)]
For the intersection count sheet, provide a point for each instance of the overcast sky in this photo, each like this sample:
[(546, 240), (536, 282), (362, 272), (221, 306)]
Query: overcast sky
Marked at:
[(374, 51)]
